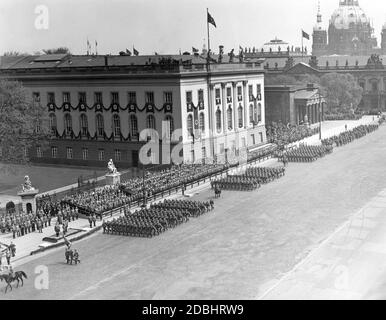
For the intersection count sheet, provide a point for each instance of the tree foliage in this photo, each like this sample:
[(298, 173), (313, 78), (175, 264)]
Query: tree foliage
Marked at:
[(57, 50), (23, 123), (341, 91)]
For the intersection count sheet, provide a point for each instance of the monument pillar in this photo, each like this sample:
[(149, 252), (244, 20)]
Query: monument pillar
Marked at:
[(28, 196)]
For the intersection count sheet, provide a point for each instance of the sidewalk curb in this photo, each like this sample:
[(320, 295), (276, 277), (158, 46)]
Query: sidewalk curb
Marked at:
[(62, 243)]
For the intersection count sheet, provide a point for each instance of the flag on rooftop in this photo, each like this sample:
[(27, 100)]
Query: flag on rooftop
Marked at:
[(211, 20)]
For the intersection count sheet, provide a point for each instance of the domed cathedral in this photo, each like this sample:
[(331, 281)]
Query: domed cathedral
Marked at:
[(350, 32)]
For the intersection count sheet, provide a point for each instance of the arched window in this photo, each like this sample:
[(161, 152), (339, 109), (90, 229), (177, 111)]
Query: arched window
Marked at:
[(229, 117), (116, 125), (100, 125), (259, 112), (134, 125), (251, 113), (218, 120), (53, 124), (202, 122), (171, 123), (189, 125), (83, 124), (240, 116), (67, 123), (150, 122)]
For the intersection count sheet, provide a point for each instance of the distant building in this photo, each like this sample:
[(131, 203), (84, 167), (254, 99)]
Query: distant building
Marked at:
[(293, 104), (98, 105), (350, 32)]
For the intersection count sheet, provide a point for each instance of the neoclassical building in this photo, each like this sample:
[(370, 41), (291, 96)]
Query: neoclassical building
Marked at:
[(99, 105)]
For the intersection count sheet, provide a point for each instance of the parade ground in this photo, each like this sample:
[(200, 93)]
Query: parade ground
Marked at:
[(251, 246)]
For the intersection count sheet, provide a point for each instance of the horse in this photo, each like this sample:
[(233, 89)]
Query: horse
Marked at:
[(9, 278)]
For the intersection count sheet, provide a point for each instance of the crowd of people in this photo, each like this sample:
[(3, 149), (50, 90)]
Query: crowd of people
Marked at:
[(155, 220), (349, 136), (97, 201), (176, 176), (262, 153), (307, 153), (281, 134), (23, 223)]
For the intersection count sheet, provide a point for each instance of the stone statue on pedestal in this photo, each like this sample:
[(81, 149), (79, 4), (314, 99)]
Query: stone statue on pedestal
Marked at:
[(111, 167), (27, 185)]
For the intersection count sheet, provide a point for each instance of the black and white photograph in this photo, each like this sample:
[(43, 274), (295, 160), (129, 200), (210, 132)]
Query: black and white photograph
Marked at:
[(192, 151)]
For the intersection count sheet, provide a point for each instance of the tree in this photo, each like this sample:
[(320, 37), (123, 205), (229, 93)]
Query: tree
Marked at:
[(57, 50), (341, 91), (23, 123)]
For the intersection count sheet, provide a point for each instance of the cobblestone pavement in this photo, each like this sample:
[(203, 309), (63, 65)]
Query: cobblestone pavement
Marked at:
[(238, 251)]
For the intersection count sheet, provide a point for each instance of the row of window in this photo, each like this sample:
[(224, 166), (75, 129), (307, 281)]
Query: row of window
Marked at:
[(254, 116), (85, 156), (100, 124), (98, 97), (239, 93)]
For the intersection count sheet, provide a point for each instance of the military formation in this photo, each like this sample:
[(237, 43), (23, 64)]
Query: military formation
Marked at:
[(307, 153), (156, 219), (349, 136), (251, 180)]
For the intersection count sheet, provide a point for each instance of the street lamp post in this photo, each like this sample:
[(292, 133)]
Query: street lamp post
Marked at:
[(320, 115)]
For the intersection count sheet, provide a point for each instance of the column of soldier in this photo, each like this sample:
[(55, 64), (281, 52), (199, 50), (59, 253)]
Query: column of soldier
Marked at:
[(307, 153), (260, 154), (349, 136), (252, 179), (157, 219)]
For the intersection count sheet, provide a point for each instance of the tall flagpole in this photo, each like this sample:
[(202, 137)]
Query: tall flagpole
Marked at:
[(211, 126), (207, 25)]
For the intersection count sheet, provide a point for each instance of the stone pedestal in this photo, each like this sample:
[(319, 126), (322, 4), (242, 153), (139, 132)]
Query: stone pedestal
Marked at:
[(28, 199), (113, 178)]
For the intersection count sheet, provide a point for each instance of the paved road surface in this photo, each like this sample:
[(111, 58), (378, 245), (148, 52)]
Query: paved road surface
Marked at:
[(236, 252)]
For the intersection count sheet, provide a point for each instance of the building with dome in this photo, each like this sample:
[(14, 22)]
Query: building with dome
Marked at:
[(350, 32)]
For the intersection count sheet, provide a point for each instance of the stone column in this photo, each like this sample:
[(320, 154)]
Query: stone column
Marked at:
[(224, 108), (235, 107), (245, 101)]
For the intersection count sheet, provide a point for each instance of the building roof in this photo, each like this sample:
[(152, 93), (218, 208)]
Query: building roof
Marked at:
[(348, 13), (305, 94)]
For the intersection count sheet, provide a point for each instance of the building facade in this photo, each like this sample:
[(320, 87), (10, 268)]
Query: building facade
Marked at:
[(99, 105), (295, 105)]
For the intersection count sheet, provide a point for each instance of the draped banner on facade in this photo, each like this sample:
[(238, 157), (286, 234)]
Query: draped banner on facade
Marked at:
[(114, 107)]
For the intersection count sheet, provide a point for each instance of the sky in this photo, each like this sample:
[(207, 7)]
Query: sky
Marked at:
[(163, 26)]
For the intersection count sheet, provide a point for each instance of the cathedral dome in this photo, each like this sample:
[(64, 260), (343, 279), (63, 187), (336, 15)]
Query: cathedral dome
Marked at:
[(349, 13)]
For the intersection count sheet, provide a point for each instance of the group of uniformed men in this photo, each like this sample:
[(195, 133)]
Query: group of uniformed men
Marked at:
[(349, 136), (157, 219), (23, 223), (307, 153), (251, 179)]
